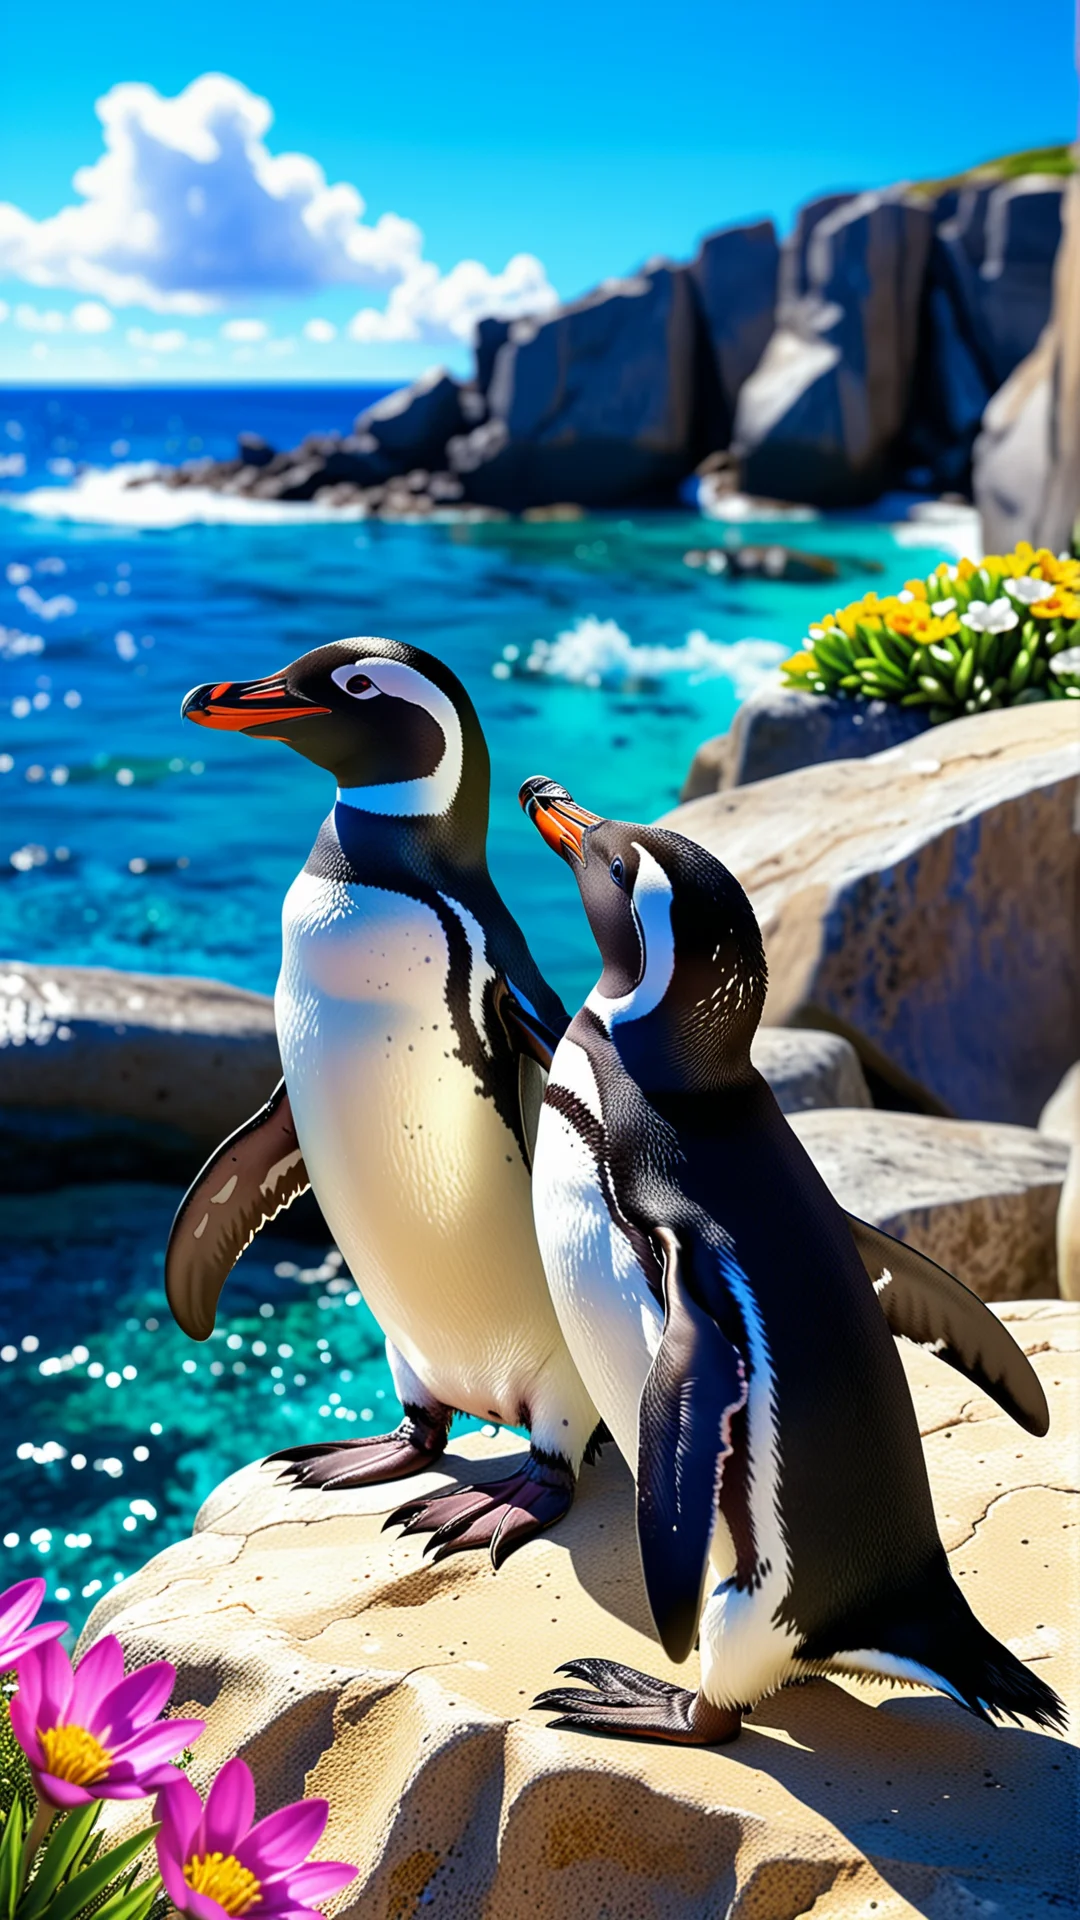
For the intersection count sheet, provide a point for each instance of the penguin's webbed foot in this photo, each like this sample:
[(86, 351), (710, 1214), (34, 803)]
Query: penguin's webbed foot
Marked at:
[(621, 1700), (498, 1514), (413, 1446)]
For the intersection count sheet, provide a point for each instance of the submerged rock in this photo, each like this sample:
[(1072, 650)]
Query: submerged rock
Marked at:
[(337, 1660), (980, 1199), (924, 902)]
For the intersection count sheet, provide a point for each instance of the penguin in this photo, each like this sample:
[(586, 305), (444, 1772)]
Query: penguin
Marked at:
[(414, 1028), (715, 1301)]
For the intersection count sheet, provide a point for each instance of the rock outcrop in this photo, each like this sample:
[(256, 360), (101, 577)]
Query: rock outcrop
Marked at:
[(735, 277), (602, 400), (980, 1199), (807, 1069), (1027, 458), (778, 728), (863, 354), (819, 418), (925, 903), (986, 300), (336, 1660), (110, 1075)]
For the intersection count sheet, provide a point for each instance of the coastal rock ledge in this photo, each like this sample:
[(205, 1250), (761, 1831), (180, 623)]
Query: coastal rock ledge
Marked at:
[(336, 1661)]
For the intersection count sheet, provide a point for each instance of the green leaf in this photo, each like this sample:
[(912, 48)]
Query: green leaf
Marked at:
[(11, 1846), (66, 1843), (93, 1880), (131, 1903)]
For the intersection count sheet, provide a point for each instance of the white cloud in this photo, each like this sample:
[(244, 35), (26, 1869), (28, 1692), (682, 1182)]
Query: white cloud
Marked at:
[(319, 331), (89, 316), (34, 320), (444, 307), (245, 331), (4, 311), (187, 208), (169, 340)]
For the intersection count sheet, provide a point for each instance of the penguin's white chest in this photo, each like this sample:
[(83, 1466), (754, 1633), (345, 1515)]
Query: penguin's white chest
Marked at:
[(610, 1321), (419, 1178)]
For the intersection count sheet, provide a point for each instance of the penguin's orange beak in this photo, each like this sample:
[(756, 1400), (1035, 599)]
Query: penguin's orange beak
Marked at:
[(558, 818), (238, 706)]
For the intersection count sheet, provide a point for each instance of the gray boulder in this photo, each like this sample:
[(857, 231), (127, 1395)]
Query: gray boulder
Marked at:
[(778, 728), (1027, 456), (821, 416), (988, 295), (410, 427), (735, 278), (981, 1200), (106, 1074), (598, 402), (924, 902), (807, 1069)]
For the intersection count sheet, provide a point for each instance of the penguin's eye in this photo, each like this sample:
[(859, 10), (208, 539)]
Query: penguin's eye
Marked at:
[(618, 872), (361, 687)]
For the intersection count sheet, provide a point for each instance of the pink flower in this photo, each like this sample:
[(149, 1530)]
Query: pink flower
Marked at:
[(215, 1863), (17, 1608), (88, 1733)]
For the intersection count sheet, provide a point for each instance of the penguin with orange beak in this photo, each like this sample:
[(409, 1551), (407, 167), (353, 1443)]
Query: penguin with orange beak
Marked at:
[(716, 1301), (414, 1029)]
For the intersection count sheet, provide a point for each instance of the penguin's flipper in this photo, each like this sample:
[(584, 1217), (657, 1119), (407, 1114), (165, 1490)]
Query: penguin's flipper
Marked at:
[(256, 1172), (926, 1304), (534, 1043), (696, 1383)]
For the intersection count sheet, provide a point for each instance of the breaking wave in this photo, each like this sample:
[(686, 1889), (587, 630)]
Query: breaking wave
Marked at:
[(104, 497), (597, 653)]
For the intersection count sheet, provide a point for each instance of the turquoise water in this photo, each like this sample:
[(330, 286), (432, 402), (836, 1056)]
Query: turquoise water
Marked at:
[(129, 839)]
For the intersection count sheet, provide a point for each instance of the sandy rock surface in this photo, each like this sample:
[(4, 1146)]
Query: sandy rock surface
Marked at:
[(337, 1661), (925, 902), (980, 1199)]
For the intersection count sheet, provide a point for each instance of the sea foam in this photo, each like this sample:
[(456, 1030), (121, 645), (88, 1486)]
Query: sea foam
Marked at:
[(598, 653), (104, 497)]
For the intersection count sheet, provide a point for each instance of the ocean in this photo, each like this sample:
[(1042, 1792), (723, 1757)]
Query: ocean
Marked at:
[(130, 839)]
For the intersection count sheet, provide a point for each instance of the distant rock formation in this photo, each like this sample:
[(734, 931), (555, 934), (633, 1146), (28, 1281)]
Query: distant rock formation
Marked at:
[(819, 417), (864, 353)]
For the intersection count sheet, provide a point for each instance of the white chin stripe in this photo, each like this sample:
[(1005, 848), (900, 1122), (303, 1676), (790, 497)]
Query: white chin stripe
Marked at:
[(436, 791), (652, 905)]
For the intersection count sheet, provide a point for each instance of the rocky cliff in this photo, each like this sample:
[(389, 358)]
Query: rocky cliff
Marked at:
[(862, 353)]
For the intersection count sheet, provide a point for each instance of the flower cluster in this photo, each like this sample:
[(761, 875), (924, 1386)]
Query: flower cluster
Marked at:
[(89, 1733), (967, 638)]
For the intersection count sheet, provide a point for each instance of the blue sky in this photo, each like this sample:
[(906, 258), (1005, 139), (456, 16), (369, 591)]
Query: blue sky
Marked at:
[(502, 154)]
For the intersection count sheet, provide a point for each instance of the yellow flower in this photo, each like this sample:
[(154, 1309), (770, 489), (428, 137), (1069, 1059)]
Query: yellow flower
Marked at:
[(917, 588), (1064, 573), (800, 663), (1059, 605)]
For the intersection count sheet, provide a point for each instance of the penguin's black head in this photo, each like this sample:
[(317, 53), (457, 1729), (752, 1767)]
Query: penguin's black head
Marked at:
[(684, 977), (392, 724)]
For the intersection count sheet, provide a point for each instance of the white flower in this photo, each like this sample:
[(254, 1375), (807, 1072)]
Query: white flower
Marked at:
[(1067, 662), (990, 616), (905, 595), (942, 607), (1029, 590)]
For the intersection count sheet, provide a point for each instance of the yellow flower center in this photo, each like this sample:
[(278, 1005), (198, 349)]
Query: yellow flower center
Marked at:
[(222, 1877), (73, 1754)]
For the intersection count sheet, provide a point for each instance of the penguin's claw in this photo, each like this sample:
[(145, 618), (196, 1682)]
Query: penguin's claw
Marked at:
[(361, 1463), (622, 1701), (498, 1514)]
